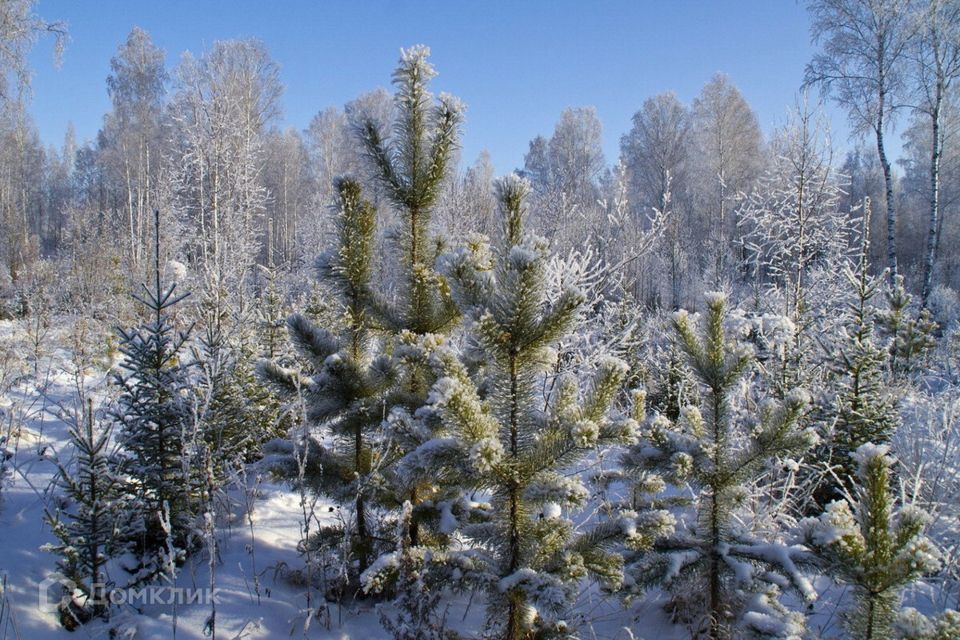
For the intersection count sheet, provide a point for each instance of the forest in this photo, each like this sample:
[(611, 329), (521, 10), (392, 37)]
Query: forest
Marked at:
[(342, 382)]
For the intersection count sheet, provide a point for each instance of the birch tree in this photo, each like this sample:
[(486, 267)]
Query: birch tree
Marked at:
[(727, 139), (862, 62), (133, 136), (935, 57)]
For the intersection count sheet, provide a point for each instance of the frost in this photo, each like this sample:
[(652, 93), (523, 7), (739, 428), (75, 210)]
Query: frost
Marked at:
[(522, 257), (777, 326), (681, 465), (442, 391), (715, 298), (564, 490), (452, 103), (585, 433), (661, 422), (416, 56), (174, 271), (798, 396), (486, 454), (920, 556), (913, 624), (615, 365), (511, 184)]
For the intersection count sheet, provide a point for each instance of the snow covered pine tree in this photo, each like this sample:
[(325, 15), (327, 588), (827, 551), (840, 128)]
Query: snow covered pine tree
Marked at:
[(411, 166), (156, 416), (723, 580), (871, 545), (89, 525), (346, 393), (496, 439), (864, 409)]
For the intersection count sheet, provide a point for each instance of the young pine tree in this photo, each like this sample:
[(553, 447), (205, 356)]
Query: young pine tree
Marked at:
[(415, 615), (714, 568), (872, 545), (410, 163), (90, 525), (864, 410), (496, 438), (911, 333), (156, 417), (239, 413), (346, 393)]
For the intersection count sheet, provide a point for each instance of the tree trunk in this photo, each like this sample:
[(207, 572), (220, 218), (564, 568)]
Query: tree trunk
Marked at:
[(363, 538), (716, 595), (888, 185), (934, 200), (515, 611), (871, 613)]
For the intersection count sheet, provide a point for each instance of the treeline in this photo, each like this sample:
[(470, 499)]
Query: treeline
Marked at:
[(202, 145)]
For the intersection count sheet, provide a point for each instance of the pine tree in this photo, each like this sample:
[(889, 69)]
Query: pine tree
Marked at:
[(239, 413), (911, 334), (864, 409), (90, 524), (495, 437), (410, 164), (155, 415), (673, 386), (271, 312), (416, 616), (872, 545), (346, 393), (715, 569)]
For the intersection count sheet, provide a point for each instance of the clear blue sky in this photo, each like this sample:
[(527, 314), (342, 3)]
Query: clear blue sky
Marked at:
[(517, 65)]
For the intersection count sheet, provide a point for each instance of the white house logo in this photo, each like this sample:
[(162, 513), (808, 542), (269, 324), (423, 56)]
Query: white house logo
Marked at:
[(56, 592), (53, 592)]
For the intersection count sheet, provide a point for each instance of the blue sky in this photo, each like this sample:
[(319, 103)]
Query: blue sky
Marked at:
[(516, 65)]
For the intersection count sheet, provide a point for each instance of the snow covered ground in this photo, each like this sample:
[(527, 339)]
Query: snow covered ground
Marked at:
[(260, 588)]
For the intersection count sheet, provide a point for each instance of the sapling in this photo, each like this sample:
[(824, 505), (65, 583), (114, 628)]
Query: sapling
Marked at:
[(723, 578), (90, 526), (505, 464), (873, 544)]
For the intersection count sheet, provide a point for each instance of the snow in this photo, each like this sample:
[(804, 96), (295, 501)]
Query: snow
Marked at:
[(551, 511), (782, 557), (866, 453), (260, 577), (714, 298), (486, 454), (523, 574), (448, 522), (268, 563)]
